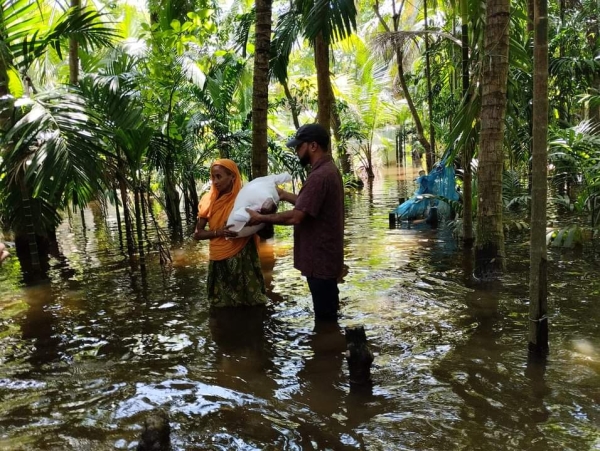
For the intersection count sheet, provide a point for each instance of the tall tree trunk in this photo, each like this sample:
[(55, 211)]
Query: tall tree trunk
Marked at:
[(6, 113), (172, 198), (420, 131), (31, 253), (429, 153), (260, 91), (118, 214), (292, 101), (126, 213), (594, 44), (538, 269), (138, 226), (192, 195), (74, 52), (4, 65), (489, 245), (321, 48), (468, 149), (530, 15), (342, 153)]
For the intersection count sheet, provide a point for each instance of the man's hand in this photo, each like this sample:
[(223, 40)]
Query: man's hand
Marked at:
[(3, 253), (255, 217), (227, 233), (286, 196)]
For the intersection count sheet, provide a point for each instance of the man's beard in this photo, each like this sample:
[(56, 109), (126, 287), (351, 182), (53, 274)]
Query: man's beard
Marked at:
[(305, 160)]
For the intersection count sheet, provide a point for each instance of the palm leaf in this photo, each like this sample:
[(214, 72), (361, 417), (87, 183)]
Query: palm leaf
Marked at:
[(56, 143), (335, 19)]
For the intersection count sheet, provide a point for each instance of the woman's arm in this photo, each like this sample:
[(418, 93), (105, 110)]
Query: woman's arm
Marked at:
[(201, 234)]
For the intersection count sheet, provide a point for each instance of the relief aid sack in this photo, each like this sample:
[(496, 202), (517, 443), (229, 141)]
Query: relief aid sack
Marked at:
[(260, 193)]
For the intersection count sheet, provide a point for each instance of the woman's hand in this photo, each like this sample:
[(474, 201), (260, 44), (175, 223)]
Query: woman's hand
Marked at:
[(225, 232)]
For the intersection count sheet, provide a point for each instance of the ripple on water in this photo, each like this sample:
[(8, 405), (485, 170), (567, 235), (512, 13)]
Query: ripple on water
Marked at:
[(88, 355)]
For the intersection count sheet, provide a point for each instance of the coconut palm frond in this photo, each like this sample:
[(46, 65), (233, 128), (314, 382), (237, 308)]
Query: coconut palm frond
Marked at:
[(285, 35), (400, 39), (335, 19), (57, 143)]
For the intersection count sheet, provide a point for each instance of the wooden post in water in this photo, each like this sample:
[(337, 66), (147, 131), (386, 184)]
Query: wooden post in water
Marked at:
[(359, 357), (156, 433), (392, 220)]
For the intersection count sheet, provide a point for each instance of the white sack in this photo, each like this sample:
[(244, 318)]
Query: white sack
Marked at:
[(258, 194)]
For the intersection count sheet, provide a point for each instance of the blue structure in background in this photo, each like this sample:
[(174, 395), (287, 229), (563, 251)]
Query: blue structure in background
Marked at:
[(439, 182)]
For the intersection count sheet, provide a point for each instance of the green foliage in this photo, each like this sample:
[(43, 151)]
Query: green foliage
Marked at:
[(335, 19), (30, 31), (515, 195), (571, 236), (516, 226)]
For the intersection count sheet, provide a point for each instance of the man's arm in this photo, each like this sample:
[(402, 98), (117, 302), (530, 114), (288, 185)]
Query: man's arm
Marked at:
[(287, 196), (290, 217)]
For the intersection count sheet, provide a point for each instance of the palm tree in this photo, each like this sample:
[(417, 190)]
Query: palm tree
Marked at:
[(467, 151), (322, 22), (55, 152), (368, 105), (489, 244), (50, 130), (260, 93), (399, 41), (538, 274)]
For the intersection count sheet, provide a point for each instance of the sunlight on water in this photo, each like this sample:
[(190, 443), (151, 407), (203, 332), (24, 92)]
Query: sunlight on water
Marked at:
[(85, 357)]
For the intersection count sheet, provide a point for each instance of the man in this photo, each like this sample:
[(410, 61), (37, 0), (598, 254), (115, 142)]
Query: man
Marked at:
[(318, 220)]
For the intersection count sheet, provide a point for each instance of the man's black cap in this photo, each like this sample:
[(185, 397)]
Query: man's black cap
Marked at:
[(309, 133)]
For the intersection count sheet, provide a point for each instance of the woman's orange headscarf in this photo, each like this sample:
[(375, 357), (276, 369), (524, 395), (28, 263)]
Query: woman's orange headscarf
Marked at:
[(217, 209)]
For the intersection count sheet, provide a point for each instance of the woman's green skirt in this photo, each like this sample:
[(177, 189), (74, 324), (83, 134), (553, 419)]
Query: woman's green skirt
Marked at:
[(238, 280)]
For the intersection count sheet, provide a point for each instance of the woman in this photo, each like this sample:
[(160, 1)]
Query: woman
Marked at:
[(234, 273)]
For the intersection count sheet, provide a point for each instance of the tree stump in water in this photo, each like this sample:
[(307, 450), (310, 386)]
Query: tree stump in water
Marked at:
[(156, 433), (358, 356)]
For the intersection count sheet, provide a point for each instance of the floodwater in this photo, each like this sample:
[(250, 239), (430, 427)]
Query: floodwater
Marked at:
[(85, 357)]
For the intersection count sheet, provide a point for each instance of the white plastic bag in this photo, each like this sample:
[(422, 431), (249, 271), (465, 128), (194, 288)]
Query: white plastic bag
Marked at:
[(258, 194)]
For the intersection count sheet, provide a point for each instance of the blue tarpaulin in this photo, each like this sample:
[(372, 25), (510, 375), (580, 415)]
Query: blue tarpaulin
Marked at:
[(439, 182)]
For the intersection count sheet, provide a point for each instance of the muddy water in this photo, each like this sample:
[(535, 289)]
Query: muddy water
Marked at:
[(85, 357)]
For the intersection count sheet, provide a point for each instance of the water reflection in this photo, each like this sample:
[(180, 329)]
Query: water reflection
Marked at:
[(322, 385), (243, 358), (39, 326)]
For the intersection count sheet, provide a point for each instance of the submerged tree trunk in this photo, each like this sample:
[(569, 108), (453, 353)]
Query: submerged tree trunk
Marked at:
[(126, 215), (30, 245), (489, 246), (118, 214), (192, 195), (172, 198), (138, 227), (468, 149), (260, 91), (538, 275)]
